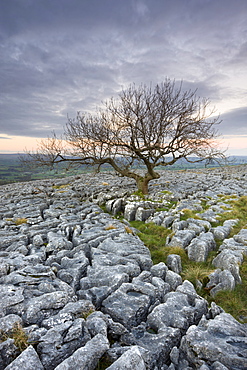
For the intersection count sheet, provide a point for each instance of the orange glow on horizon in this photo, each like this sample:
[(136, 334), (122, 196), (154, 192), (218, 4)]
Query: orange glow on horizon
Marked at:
[(235, 145)]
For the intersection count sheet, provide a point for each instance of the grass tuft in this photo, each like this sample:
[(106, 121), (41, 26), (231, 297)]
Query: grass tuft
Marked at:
[(18, 334), (86, 313), (154, 237), (20, 221), (110, 227)]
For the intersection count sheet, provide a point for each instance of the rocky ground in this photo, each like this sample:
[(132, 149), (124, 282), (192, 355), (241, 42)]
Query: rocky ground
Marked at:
[(80, 287)]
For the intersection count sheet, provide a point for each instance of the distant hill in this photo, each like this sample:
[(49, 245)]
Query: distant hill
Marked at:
[(11, 170)]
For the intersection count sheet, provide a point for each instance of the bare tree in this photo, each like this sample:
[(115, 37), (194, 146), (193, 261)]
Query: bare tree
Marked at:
[(145, 127)]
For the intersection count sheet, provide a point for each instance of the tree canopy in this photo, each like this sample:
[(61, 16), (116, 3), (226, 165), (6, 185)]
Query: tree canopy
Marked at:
[(145, 127)]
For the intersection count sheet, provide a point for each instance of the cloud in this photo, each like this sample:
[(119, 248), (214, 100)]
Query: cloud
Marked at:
[(58, 57), (235, 122)]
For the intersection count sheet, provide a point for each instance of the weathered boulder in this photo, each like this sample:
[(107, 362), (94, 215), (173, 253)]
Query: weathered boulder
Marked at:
[(182, 238), (27, 360), (41, 307), (173, 279), (200, 246), (174, 263), (241, 237), (159, 270), (8, 352), (130, 304), (131, 359), (115, 206), (130, 211), (61, 341), (229, 260), (179, 310), (143, 214), (11, 298), (86, 357), (232, 244), (155, 346), (222, 339), (220, 280), (7, 322)]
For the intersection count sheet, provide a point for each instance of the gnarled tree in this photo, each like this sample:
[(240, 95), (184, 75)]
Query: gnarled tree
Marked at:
[(145, 127)]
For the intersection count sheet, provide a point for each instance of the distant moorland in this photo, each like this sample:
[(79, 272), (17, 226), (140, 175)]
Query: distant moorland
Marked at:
[(11, 169)]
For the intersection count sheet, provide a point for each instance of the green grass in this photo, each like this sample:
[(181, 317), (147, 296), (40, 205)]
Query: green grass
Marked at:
[(238, 211), (188, 213), (235, 301), (154, 237)]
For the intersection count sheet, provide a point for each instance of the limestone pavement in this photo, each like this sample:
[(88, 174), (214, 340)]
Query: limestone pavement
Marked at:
[(84, 289)]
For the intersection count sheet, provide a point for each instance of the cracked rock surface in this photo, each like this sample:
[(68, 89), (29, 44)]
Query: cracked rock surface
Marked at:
[(84, 289)]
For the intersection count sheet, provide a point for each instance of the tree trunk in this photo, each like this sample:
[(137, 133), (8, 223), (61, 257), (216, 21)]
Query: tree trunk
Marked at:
[(142, 185), (142, 182)]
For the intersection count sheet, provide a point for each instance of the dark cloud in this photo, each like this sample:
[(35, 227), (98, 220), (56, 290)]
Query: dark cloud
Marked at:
[(61, 56), (235, 122)]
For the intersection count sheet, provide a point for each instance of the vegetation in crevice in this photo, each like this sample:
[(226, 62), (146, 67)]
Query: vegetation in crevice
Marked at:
[(154, 237), (18, 334)]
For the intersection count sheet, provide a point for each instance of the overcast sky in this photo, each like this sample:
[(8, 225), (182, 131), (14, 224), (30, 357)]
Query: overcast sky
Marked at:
[(58, 57)]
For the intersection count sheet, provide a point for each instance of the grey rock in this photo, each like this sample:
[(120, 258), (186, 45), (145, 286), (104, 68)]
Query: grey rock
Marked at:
[(220, 280), (7, 322), (57, 242), (143, 214), (163, 288), (199, 247), (174, 355), (155, 346), (130, 211), (177, 311), (214, 310), (222, 339), (232, 244), (10, 297), (159, 270), (67, 250), (182, 238), (77, 332), (58, 319), (8, 352), (196, 228), (60, 342), (87, 357), (37, 307), (229, 260), (27, 360), (173, 279), (97, 324), (167, 221), (115, 206), (221, 232), (130, 303), (209, 215), (78, 309), (218, 366), (241, 237), (174, 263), (203, 224), (193, 204), (38, 240), (179, 225), (131, 359), (72, 269), (4, 268)]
